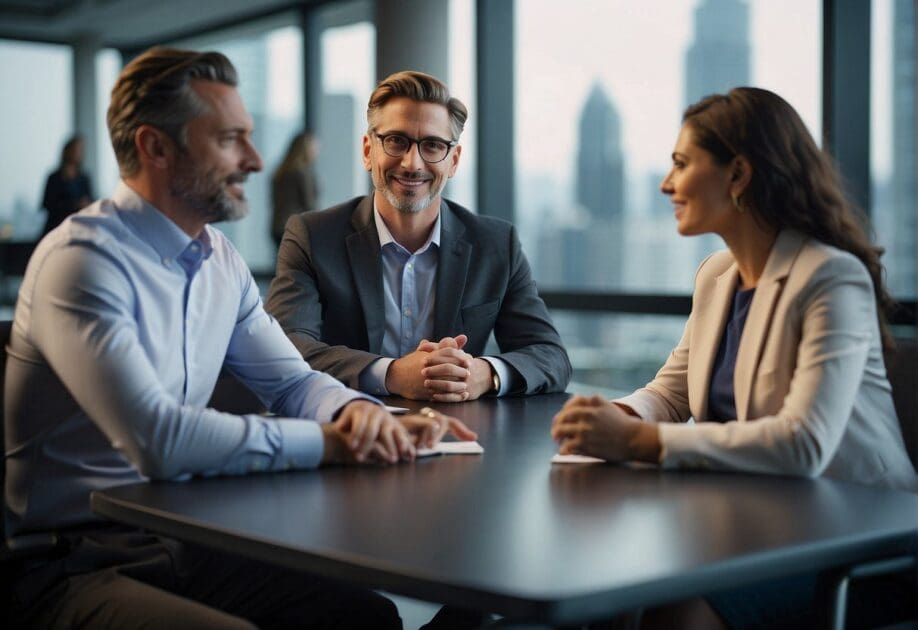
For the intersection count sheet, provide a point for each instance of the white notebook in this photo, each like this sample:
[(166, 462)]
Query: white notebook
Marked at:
[(558, 458), (452, 448)]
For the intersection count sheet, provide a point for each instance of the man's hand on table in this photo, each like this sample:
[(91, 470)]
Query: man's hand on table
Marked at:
[(440, 371), (427, 427), (365, 433)]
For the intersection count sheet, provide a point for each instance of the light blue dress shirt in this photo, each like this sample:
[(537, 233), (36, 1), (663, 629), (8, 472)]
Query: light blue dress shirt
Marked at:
[(135, 319), (409, 297)]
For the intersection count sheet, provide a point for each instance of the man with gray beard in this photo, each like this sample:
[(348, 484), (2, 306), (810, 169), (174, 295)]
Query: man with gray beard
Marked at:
[(398, 292), (127, 312)]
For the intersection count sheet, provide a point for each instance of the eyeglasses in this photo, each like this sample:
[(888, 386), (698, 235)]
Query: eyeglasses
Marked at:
[(432, 150)]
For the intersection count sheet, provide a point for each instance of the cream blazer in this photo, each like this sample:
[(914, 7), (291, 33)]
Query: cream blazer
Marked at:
[(810, 384)]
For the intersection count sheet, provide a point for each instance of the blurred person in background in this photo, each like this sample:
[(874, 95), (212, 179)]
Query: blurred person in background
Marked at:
[(293, 185), (68, 188)]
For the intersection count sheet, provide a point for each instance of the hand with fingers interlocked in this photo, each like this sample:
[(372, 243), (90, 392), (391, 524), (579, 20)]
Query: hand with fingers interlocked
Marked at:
[(440, 371)]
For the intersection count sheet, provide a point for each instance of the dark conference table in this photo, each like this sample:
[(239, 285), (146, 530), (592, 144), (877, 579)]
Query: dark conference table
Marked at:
[(510, 533)]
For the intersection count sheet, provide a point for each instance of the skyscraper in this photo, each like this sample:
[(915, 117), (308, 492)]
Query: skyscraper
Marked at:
[(600, 164), (716, 61), (718, 58)]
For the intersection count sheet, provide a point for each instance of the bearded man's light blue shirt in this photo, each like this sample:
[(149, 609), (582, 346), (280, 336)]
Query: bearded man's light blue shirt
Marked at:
[(123, 311)]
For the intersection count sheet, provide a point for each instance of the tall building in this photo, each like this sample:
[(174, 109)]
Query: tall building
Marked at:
[(716, 61), (718, 58), (902, 261), (600, 163)]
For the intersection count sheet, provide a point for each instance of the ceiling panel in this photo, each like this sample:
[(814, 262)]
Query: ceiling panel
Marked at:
[(124, 23)]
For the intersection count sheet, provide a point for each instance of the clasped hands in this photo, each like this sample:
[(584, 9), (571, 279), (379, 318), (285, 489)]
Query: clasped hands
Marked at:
[(591, 425), (364, 432), (440, 371)]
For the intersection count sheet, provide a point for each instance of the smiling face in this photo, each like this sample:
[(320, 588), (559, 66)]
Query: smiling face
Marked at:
[(408, 184), (208, 174), (700, 189)]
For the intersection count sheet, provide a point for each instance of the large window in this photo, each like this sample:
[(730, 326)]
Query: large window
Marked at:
[(894, 141), (108, 66), (348, 70), (461, 81), (600, 88), (36, 118), (269, 58)]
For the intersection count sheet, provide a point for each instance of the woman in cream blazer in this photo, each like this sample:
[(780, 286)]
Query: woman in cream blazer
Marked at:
[(809, 384)]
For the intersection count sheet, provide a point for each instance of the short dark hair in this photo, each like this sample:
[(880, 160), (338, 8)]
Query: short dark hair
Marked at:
[(155, 89), (72, 141), (418, 87)]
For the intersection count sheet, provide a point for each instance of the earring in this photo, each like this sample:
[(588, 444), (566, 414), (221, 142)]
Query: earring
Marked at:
[(736, 203)]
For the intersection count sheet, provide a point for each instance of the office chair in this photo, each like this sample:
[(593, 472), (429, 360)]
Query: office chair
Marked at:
[(901, 571), (229, 395), (902, 370), (13, 551)]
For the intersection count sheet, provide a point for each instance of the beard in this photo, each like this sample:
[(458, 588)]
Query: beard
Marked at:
[(410, 202), (204, 192)]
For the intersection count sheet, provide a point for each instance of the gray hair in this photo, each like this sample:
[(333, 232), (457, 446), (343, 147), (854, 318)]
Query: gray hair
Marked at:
[(418, 87), (155, 89)]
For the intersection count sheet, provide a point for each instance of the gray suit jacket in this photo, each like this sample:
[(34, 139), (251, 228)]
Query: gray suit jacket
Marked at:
[(811, 392), (327, 294)]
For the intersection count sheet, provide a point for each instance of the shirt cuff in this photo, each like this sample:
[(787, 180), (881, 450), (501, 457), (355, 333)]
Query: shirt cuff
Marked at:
[(504, 373), (302, 444), (640, 405), (373, 377), (681, 447)]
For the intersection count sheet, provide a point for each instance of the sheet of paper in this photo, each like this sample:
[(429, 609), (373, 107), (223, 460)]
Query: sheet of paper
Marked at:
[(558, 458), (397, 410), (452, 448)]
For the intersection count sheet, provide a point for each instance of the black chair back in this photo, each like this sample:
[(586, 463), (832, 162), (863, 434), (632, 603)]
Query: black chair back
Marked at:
[(902, 369), (6, 327)]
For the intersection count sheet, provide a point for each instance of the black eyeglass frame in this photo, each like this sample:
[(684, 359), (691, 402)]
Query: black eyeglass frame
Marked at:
[(415, 141)]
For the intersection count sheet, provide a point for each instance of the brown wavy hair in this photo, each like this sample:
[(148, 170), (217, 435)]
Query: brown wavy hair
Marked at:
[(794, 184)]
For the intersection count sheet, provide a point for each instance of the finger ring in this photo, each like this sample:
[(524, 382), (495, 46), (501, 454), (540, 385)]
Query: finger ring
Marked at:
[(427, 411)]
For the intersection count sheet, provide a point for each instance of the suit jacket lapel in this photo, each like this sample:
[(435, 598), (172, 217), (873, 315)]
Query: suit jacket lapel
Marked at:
[(452, 267), (707, 332), (366, 268), (758, 322)]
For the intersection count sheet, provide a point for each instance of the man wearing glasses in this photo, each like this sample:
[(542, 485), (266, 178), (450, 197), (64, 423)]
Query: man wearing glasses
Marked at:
[(126, 314), (398, 292)]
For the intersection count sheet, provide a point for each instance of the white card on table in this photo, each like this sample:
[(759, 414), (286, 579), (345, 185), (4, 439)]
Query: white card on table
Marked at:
[(470, 447), (558, 458)]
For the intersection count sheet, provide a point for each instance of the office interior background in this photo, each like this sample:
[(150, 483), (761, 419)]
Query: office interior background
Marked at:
[(574, 110)]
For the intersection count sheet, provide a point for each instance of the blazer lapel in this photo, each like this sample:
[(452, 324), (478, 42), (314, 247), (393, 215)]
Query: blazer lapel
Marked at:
[(452, 268), (707, 331), (366, 268), (761, 311)]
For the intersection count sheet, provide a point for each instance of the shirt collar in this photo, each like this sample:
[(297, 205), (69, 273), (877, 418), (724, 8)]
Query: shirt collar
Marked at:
[(152, 226), (385, 236)]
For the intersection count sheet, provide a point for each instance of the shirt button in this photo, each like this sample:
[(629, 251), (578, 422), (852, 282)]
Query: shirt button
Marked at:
[(409, 266), (407, 311)]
